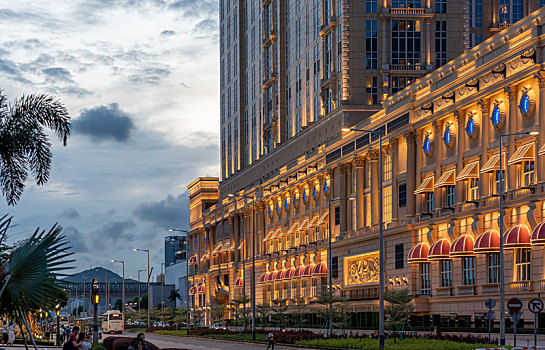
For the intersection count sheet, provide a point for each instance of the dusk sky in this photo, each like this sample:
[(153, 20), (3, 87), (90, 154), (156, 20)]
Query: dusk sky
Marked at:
[(140, 81)]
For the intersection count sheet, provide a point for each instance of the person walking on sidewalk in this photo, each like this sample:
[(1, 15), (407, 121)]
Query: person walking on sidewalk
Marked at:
[(271, 341)]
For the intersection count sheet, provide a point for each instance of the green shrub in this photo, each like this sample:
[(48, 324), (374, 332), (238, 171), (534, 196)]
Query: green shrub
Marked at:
[(97, 346), (409, 344), (436, 320)]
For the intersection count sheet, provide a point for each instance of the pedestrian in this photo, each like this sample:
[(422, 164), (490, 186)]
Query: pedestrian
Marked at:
[(74, 337), (4, 335), (68, 331), (142, 337), (136, 344), (271, 341), (11, 334), (83, 341)]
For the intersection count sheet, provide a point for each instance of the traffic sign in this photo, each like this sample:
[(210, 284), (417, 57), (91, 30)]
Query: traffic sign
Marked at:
[(515, 316), (490, 315), (490, 303), (535, 306), (514, 305)]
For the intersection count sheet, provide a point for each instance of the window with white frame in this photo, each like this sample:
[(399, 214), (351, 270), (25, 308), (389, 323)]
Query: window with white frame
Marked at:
[(450, 192), (425, 279), (473, 189), (303, 293), (522, 264), (293, 289), (468, 270), (387, 167), (285, 291), (493, 260), (429, 202), (276, 291), (387, 205), (314, 284), (446, 273), (527, 173)]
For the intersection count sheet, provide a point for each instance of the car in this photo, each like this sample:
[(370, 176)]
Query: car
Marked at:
[(217, 326)]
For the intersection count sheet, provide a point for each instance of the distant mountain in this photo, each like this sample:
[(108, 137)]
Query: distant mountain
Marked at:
[(99, 273)]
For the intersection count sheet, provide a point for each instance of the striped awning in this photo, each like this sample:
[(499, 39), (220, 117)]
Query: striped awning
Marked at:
[(525, 152), (517, 237), (323, 218), (439, 250), (492, 164), (217, 249), (418, 253), (304, 225), (314, 221), (193, 260), (320, 269), (446, 179), (538, 234), (425, 186), (470, 171)]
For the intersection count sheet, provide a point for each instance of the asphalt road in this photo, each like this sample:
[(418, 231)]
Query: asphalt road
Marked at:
[(167, 341)]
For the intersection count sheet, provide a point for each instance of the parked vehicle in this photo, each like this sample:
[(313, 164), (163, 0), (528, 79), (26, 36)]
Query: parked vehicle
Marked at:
[(113, 322)]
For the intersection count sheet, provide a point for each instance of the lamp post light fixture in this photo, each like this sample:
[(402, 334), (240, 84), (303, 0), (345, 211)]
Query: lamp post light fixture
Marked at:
[(381, 231), (123, 285), (149, 294), (186, 275), (500, 223), (253, 258), (330, 258)]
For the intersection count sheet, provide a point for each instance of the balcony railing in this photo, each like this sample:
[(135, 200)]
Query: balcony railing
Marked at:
[(539, 285), (407, 67), (407, 11), (466, 290), (493, 288), (444, 291), (524, 286)]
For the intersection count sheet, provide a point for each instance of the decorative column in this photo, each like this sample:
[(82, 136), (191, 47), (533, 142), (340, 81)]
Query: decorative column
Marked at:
[(540, 115), (511, 93), (438, 147), (412, 174), (460, 162), (484, 185), (359, 163), (234, 221), (374, 186)]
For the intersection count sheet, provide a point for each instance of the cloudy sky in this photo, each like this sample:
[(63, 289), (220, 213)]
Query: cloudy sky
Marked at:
[(140, 80)]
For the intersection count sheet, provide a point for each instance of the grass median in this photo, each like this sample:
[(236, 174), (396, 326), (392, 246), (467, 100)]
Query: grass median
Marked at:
[(408, 344)]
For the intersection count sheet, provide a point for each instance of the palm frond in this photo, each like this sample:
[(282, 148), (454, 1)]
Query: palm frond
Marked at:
[(33, 268)]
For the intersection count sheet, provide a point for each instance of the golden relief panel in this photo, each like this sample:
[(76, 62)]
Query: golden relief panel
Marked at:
[(362, 269)]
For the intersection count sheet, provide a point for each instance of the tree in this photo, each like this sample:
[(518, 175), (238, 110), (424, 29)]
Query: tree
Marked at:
[(217, 312), (24, 144), (237, 302), (399, 307), (263, 311), (280, 308), (197, 316), (179, 315), (118, 305), (299, 307), (28, 272), (174, 294)]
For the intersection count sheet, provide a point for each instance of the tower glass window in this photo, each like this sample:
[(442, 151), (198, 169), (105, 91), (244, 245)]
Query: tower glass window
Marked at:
[(510, 11), (406, 42), (406, 3), (371, 44), (371, 6), (440, 43), (475, 8), (440, 6), (400, 83)]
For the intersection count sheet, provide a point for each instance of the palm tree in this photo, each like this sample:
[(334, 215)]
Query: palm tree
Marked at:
[(24, 143), (29, 271), (174, 294)]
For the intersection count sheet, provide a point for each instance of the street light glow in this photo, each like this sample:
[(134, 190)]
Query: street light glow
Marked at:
[(346, 129), (533, 133)]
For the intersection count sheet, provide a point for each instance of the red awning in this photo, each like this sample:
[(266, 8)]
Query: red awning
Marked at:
[(439, 250), (299, 271), (193, 260), (488, 242), (270, 278), (320, 269), (538, 235), (462, 246), (239, 283), (263, 278), (279, 275), (192, 290), (201, 289), (418, 253), (307, 272), (517, 237), (289, 273)]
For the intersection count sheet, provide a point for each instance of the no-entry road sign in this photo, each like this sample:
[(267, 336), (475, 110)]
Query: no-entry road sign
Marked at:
[(514, 305), (535, 306)]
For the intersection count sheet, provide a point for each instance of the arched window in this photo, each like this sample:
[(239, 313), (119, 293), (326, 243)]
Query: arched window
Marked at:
[(387, 167)]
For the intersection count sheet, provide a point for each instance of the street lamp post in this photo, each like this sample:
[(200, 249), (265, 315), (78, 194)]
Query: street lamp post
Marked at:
[(330, 259), (253, 259), (123, 285), (381, 231), (139, 297), (186, 276), (149, 294), (500, 223), (162, 292)]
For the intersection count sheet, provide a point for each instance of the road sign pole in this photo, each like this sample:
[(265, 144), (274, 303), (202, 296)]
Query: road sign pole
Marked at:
[(515, 333), (535, 331), (489, 329)]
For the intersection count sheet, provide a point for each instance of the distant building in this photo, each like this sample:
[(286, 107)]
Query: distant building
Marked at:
[(175, 266)]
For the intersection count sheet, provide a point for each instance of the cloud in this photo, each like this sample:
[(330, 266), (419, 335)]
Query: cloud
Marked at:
[(76, 239), (192, 8), (69, 213), (57, 73), (168, 213), (115, 231), (207, 26), (105, 123), (167, 33)]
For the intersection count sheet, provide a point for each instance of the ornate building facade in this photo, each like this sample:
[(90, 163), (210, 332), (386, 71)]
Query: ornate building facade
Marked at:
[(440, 193)]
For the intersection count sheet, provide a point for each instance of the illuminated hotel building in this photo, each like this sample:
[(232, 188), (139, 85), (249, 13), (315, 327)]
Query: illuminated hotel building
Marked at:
[(440, 194)]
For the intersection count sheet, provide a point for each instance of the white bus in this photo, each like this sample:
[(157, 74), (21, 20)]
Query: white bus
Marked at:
[(113, 322)]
